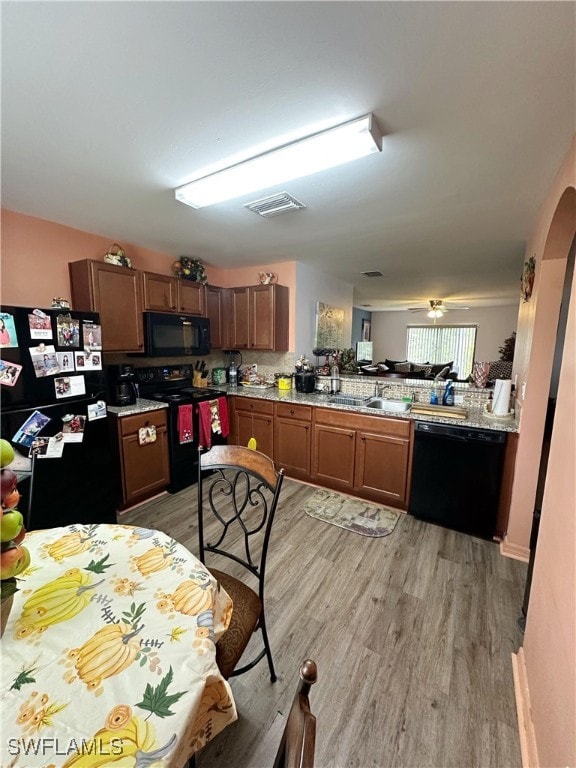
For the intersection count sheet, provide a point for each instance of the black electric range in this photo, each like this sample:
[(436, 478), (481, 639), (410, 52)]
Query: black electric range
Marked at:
[(172, 385)]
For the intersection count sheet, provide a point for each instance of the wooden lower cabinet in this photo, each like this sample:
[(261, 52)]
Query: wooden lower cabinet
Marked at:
[(382, 467), (333, 450), (368, 456), (145, 468), (254, 418), (293, 438), (365, 455)]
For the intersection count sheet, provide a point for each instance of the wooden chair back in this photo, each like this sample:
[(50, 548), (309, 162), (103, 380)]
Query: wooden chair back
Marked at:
[(238, 491), (299, 738), (238, 488)]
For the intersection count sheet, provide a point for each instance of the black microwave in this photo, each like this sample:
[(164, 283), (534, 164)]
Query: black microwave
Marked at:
[(172, 335)]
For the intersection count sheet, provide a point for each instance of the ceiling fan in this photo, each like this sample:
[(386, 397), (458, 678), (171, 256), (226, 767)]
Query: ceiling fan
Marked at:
[(436, 308)]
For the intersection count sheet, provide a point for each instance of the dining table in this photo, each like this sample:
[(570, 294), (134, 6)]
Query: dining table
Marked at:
[(109, 652)]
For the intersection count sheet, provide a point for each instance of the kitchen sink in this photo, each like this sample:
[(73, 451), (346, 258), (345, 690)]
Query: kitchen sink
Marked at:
[(382, 404), (347, 400)]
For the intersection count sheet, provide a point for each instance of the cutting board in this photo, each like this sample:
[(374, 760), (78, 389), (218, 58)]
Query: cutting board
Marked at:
[(446, 411)]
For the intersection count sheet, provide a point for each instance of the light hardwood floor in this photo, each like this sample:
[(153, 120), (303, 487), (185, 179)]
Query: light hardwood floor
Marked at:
[(412, 634)]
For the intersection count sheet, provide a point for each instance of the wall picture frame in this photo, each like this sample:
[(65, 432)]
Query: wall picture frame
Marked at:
[(366, 330)]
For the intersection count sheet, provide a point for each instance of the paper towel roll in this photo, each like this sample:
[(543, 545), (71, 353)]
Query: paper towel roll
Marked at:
[(501, 399)]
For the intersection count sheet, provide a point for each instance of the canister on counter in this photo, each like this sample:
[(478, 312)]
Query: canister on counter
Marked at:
[(284, 383), (218, 375)]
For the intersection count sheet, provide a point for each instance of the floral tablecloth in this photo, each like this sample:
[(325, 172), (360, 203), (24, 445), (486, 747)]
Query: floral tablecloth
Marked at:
[(108, 656)]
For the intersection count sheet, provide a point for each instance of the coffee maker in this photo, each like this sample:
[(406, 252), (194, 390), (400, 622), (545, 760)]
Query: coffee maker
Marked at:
[(122, 384)]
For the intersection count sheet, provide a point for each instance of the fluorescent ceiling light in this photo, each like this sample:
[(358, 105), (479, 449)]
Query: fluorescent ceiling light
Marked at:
[(327, 149)]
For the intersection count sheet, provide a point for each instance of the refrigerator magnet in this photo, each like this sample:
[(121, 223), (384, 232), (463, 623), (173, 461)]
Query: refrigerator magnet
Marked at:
[(69, 386), (73, 428), (30, 428), (68, 331), (97, 410), (44, 360), (9, 373), (8, 337), (40, 325), (65, 361), (47, 448), (92, 335), (88, 361)]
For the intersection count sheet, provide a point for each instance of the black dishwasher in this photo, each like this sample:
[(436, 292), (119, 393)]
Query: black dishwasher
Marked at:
[(456, 476)]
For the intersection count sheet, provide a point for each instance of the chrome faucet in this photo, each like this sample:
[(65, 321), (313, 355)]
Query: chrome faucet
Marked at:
[(379, 388)]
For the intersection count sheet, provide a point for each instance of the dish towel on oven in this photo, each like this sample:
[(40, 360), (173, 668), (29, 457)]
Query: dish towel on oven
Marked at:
[(213, 420), (185, 429)]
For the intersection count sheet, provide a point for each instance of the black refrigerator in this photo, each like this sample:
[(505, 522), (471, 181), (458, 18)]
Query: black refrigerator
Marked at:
[(53, 412)]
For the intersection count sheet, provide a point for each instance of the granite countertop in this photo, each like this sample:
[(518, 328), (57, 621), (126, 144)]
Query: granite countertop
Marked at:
[(140, 406), (477, 417)]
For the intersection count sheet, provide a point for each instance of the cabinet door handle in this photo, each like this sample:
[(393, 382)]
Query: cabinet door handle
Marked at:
[(306, 428), (292, 411), (351, 435), (362, 438)]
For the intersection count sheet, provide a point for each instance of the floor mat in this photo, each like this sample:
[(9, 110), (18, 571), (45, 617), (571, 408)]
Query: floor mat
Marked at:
[(355, 515)]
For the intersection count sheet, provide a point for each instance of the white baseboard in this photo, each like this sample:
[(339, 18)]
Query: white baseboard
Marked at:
[(515, 551), (524, 712)]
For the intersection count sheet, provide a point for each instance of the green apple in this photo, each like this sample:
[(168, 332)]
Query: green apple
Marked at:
[(10, 525), (13, 561), (6, 453)]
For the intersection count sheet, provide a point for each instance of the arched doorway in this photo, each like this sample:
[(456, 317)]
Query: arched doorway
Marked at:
[(536, 342)]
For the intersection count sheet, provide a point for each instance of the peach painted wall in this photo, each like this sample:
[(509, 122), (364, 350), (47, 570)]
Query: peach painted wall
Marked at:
[(550, 637), (536, 334), (36, 252)]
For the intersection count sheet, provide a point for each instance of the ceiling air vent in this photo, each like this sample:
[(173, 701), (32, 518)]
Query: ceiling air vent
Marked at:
[(274, 205), (373, 274)]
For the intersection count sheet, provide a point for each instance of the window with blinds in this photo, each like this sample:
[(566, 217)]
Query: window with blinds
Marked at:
[(442, 343)]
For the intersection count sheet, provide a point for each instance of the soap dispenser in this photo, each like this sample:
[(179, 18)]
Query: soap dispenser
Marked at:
[(433, 395), (334, 379), (448, 397)]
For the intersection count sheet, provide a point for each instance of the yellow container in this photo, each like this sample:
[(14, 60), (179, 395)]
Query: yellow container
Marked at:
[(285, 382)]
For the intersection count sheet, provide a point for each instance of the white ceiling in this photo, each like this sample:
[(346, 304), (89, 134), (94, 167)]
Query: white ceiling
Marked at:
[(107, 106)]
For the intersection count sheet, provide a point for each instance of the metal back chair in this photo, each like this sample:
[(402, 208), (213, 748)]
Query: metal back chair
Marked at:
[(299, 738), (238, 491)]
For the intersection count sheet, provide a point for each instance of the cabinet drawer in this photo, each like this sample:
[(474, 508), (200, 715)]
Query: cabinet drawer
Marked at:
[(129, 425), (380, 425), (254, 405), (292, 411)]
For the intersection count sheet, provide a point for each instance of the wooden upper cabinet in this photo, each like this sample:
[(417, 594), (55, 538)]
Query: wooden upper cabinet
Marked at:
[(160, 292), (191, 297), (239, 318), (163, 293), (116, 294), (259, 318), (215, 313)]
